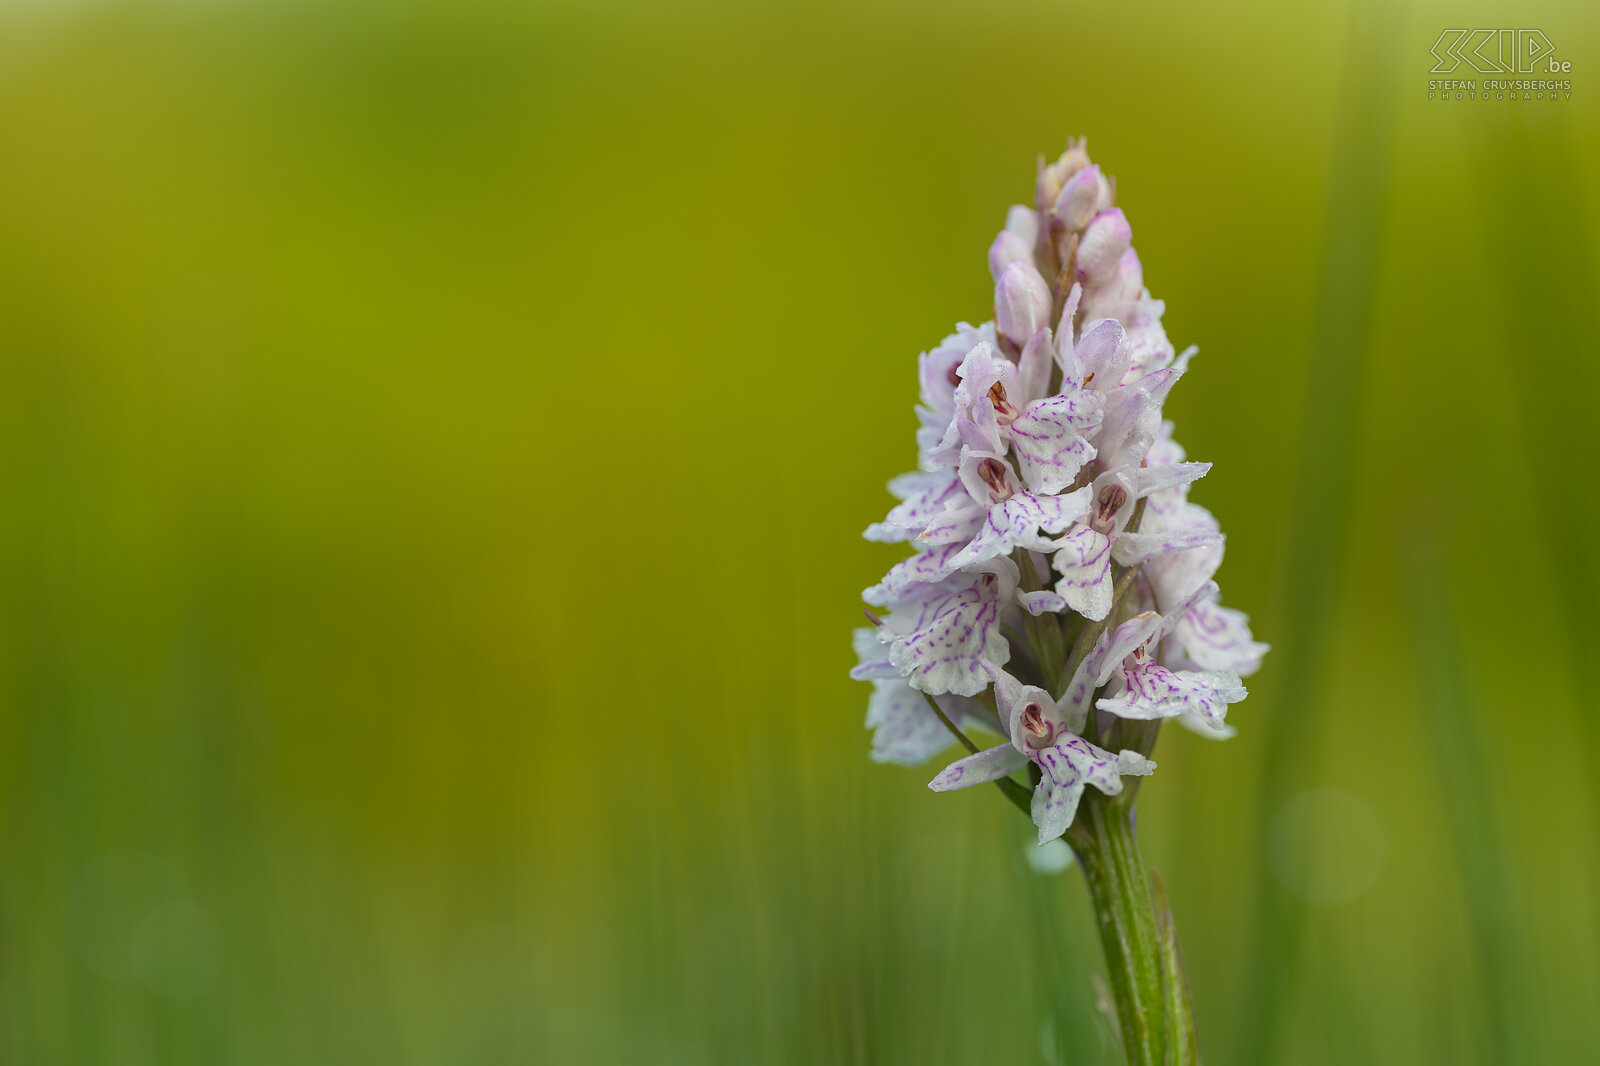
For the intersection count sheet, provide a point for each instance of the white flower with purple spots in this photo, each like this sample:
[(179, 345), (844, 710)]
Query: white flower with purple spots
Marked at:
[(938, 633), (1000, 403), (1043, 732), (905, 729), (1085, 554), (1141, 688)]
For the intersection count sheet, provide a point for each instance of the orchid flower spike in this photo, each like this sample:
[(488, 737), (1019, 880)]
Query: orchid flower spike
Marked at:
[(1049, 511)]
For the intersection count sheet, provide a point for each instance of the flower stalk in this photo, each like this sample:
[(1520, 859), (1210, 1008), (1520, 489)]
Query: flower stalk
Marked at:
[(1130, 931)]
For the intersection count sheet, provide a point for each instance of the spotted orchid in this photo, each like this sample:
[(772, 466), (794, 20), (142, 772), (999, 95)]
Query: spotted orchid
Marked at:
[(1050, 512), (1060, 593)]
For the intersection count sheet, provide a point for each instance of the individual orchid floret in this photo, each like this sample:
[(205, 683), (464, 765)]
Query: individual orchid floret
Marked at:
[(1214, 637), (1095, 356), (1043, 732), (1204, 634), (1144, 689), (904, 728), (925, 499), (1070, 765), (939, 633), (1051, 438), (1001, 404), (1012, 517), (937, 372), (1085, 554)]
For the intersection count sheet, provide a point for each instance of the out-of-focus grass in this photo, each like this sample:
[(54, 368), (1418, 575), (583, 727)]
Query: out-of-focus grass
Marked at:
[(1338, 378), (437, 438)]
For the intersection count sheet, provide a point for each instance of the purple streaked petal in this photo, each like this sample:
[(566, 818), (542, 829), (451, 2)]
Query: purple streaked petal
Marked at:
[(1219, 638), (1066, 768), (980, 768), (872, 656), (1108, 655), (1152, 691), (925, 497), (1023, 521), (938, 644), (1084, 563), (1042, 602), (1051, 438), (925, 567), (1132, 548), (904, 728)]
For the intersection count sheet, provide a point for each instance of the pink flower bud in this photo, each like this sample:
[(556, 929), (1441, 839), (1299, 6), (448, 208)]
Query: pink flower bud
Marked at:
[(1023, 222), (1083, 197), (1008, 248), (1021, 302), (1047, 186), (1106, 238), (1052, 176), (1129, 279), (1118, 294)]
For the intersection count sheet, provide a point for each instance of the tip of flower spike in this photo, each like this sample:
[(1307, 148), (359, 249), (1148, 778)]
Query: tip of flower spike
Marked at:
[(1083, 196)]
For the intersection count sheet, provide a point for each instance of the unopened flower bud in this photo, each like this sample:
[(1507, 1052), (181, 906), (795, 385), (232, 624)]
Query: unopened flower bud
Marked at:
[(1047, 186), (1106, 238), (1129, 279), (1023, 222), (1021, 301), (1118, 295), (1085, 195), (1052, 176), (1007, 248)]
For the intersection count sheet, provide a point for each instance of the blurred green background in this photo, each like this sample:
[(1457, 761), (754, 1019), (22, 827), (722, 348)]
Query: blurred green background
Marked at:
[(436, 438)]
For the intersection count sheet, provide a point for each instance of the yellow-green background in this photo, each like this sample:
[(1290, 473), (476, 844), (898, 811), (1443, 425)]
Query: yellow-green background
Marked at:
[(435, 439)]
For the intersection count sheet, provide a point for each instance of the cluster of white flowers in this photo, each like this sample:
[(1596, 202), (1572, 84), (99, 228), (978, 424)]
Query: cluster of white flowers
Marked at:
[(1062, 580)]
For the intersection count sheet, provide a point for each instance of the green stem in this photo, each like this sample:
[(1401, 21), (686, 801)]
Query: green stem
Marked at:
[(1183, 1045), (1103, 837)]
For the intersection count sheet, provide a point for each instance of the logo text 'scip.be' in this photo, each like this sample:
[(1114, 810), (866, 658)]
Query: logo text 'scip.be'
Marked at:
[(1510, 51)]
